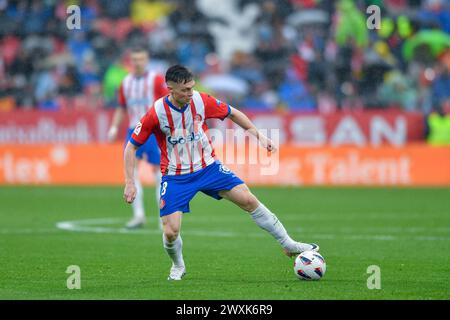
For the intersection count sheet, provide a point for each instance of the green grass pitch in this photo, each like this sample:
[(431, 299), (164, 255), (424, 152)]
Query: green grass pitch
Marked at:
[(404, 231)]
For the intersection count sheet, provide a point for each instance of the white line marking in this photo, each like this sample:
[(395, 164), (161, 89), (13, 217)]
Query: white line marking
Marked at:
[(27, 231), (95, 226)]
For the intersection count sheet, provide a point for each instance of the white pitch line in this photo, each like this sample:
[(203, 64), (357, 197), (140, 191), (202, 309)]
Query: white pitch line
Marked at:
[(91, 225), (27, 231), (83, 226)]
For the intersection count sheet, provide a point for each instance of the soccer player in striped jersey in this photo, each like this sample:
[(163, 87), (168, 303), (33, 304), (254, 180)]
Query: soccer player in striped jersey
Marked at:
[(137, 93), (188, 163)]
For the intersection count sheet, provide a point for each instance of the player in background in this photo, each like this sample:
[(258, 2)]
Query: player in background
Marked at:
[(188, 163), (137, 92)]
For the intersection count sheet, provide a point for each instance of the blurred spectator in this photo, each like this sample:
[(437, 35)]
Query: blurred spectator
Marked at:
[(34, 17), (143, 12), (271, 47), (246, 67), (351, 24), (115, 9), (89, 71), (435, 13), (438, 129), (294, 93), (192, 51), (317, 73), (79, 46), (441, 88), (46, 88), (397, 91), (69, 84), (377, 61), (260, 97), (111, 82)]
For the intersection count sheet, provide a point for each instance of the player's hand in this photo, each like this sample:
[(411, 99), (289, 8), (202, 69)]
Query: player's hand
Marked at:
[(129, 194), (267, 143), (112, 134)]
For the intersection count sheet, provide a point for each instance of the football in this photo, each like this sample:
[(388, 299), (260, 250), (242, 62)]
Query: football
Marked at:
[(310, 265)]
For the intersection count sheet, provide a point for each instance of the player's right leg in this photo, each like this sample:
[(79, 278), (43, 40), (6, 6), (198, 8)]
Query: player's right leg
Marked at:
[(173, 244)]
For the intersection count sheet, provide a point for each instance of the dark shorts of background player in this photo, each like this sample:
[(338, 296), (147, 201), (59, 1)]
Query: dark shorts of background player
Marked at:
[(178, 191), (150, 149)]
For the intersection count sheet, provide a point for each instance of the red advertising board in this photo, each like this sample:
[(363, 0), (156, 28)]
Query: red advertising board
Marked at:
[(68, 127), (343, 128)]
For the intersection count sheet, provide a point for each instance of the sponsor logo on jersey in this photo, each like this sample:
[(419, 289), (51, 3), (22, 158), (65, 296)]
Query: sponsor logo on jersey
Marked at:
[(162, 203), (138, 128), (182, 140)]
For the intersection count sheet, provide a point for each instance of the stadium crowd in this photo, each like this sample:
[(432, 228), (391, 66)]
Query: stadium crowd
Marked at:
[(285, 54)]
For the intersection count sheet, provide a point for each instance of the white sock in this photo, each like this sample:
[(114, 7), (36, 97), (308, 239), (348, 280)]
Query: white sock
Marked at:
[(138, 203), (174, 250), (268, 221)]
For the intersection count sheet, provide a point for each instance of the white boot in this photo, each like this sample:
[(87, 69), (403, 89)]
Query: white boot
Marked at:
[(177, 272), (135, 223)]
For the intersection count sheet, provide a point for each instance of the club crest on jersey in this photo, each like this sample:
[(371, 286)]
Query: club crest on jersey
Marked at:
[(224, 169), (138, 128)]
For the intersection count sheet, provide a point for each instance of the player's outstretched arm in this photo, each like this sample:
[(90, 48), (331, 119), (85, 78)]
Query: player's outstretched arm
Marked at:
[(245, 123), (129, 163)]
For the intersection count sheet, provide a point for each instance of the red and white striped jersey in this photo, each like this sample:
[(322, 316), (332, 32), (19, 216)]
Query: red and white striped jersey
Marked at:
[(137, 94), (181, 133)]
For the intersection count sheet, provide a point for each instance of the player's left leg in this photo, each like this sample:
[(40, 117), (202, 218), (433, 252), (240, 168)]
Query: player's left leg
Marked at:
[(176, 193), (173, 244), (265, 219)]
